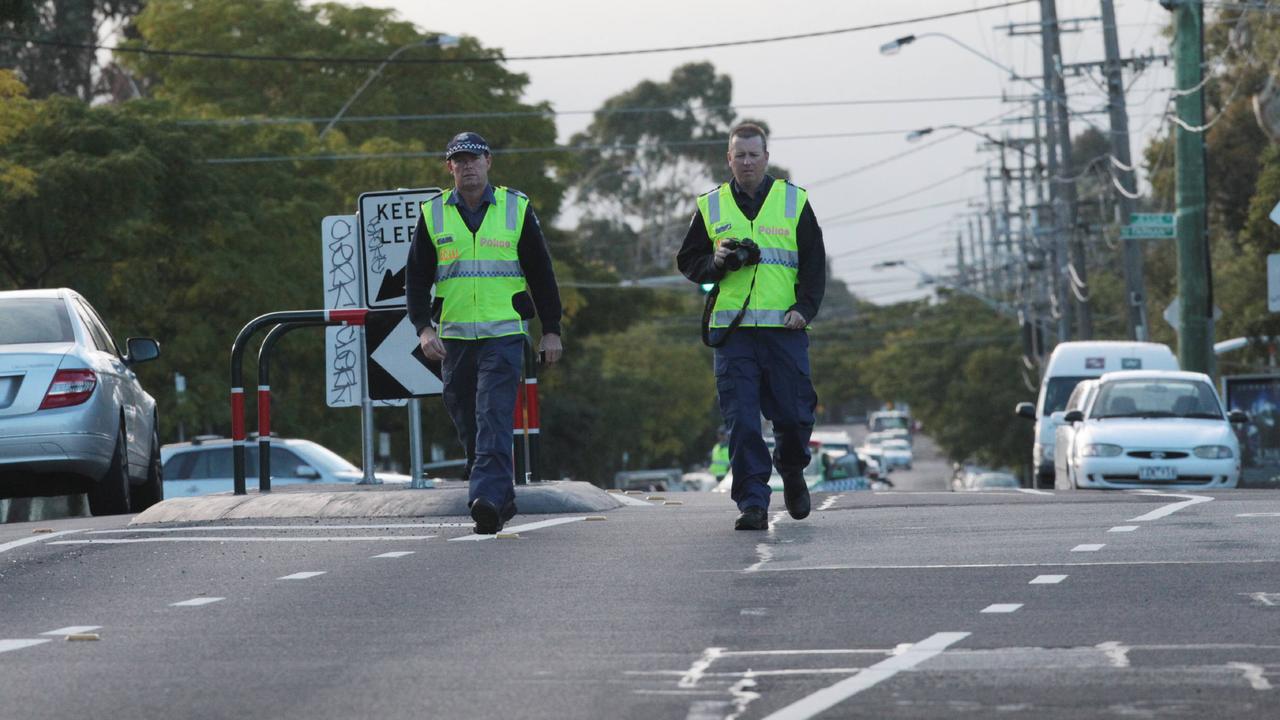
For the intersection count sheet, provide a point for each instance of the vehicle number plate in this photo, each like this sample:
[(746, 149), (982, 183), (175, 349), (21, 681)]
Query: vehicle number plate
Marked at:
[(1158, 472)]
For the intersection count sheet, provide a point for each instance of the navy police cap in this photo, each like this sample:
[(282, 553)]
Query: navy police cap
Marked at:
[(466, 142)]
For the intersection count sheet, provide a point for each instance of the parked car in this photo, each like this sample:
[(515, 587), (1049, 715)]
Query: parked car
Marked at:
[(204, 466), (1068, 365), (833, 440), (824, 466), (1155, 429), (73, 416), (897, 453), (1065, 433), (990, 481)]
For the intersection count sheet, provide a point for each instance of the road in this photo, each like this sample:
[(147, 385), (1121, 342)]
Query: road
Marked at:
[(903, 604)]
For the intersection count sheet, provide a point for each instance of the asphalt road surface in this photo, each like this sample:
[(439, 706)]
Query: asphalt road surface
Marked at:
[(922, 604)]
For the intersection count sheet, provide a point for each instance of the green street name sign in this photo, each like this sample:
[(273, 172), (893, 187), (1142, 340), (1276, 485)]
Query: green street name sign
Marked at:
[(1148, 232), (1159, 219)]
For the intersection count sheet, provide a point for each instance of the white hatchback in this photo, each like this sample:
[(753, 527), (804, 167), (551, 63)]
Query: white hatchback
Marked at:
[(1154, 429)]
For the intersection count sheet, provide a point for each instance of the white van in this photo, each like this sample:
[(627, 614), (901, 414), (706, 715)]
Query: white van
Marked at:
[(1070, 363)]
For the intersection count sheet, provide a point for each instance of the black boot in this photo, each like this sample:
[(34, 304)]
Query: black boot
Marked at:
[(753, 518)]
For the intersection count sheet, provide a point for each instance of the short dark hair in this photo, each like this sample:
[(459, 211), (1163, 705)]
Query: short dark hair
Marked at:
[(750, 130)]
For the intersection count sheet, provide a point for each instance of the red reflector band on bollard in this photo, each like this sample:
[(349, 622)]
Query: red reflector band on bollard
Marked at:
[(352, 316), (237, 413), (264, 412), (531, 389)]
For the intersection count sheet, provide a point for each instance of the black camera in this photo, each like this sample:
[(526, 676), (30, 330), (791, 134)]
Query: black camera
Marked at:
[(744, 252)]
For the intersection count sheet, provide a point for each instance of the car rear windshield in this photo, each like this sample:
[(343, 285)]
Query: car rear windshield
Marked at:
[(1057, 391), (1156, 398), (34, 320)]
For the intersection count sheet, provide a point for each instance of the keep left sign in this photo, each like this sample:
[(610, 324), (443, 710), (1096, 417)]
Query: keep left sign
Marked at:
[(387, 221)]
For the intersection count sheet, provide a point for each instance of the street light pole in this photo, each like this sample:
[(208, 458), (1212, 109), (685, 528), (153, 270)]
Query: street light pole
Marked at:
[(444, 41)]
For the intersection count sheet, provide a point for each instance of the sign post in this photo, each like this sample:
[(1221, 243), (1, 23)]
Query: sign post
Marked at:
[(1273, 282)]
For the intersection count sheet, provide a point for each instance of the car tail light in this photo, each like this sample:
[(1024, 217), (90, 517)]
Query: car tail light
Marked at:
[(69, 387)]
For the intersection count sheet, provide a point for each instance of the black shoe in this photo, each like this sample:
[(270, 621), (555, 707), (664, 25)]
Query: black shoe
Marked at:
[(753, 518), (795, 491), (508, 511), (487, 516)]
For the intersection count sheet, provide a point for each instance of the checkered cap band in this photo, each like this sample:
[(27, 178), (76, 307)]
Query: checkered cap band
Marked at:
[(466, 147)]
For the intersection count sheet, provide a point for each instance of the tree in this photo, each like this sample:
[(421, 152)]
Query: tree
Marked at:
[(47, 67)]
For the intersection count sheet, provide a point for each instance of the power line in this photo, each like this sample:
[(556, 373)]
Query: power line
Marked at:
[(904, 196), (895, 213), (329, 59), (890, 241)]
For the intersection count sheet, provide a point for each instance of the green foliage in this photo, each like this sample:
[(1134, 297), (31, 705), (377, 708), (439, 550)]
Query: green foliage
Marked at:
[(52, 70)]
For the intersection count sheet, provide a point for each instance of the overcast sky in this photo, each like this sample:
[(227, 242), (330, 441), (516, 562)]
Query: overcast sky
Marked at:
[(834, 68)]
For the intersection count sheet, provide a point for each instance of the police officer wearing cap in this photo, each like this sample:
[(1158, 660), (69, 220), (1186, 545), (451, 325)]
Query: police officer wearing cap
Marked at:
[(483, 250), (767, 292)]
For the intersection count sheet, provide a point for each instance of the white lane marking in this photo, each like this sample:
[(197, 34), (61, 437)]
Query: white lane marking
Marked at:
[(132, 541), (842, 651), (826, 504), (1002, 608), (699, 668), (743, 694), (984, 566), (1123, 528), (1116, 652), (34, 539), (630, 500), (1088, 547), (1188, 501), (234, 528), (835, 694), (1047, 579), (1032, 491), (754, 612), (196, 602), (394, 554), (1252, 673), (1257, 514), (1264, 599), (520, 528), (7, 645), (72, 630), (302, 575), (764, 551)]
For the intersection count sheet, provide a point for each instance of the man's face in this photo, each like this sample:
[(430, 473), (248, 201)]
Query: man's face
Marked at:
[(470, 171), (748, 160)]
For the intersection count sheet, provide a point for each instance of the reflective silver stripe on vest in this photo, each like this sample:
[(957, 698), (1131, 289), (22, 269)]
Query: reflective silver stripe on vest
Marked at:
[(722, 318), (479, 330), (713, 207), (792, 196), (513, 208), (778, 256), (437, 215), (479, 269)]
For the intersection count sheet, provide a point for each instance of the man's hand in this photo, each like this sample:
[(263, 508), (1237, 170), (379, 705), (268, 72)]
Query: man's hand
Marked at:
[(794, 320), (550, 347), (722, 252), (432, 345)]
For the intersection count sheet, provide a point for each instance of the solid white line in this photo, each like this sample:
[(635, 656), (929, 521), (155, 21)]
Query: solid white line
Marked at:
[(1171, 508), (302, 575), (234, 528), (196, 602), (7, 645), (1123, 528), (1268, 514), (842, 651), (396, 554), (1032, 491), (34, 539), (1047, 579), (1000, 566), (72, 630), (132, 541), (520, 528), (834, 695), (1002, 608), (1088, 547)]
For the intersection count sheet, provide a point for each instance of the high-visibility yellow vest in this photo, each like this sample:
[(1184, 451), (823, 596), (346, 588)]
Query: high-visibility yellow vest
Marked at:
[(774, 230), (478, 274), (719, 460)]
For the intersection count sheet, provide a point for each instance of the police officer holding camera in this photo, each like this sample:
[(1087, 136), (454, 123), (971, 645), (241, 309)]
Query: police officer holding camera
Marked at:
[(756, 237)]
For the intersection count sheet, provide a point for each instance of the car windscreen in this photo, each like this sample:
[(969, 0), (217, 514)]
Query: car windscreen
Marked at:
[(1150, 398), (34, 320), (889, 422), (1057, 391), (324, 459)]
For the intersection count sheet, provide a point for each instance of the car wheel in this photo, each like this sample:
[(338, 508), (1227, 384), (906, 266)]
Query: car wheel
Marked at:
[(152, 491), (110, 495)]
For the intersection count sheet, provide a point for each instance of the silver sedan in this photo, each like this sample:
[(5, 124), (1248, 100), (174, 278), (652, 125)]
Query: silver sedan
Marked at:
[(73, 416)]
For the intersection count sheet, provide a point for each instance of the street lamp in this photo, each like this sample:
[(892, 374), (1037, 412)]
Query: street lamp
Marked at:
[(892, 47), (443, 41), (915, 135), (927, 278)]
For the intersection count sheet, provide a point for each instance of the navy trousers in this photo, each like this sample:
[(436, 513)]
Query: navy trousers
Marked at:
[(481, 379), (765, 370)]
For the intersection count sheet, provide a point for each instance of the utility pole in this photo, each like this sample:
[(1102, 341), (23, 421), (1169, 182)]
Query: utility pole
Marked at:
[(996, 263), (962, 274), (1122, 173), (1058, 254), (1195, 334), (1077, 274)]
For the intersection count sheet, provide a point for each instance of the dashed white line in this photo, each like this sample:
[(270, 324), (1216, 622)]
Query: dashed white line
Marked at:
[(395, 554), (242, 528), (7, 645), (521, 528), (197, 602), (1253, 674), (132, 541), (1033, 491), (1123, 528), (34, 539), (868, 677), (73, 629), (1002, 608), (302, 575), (1047, 579), (1167, 510), (1088, 547)]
